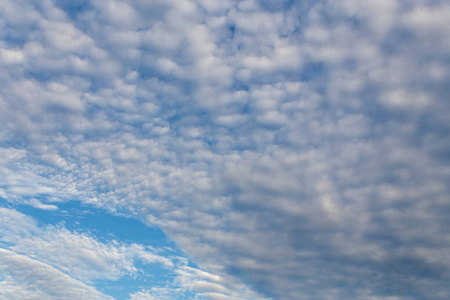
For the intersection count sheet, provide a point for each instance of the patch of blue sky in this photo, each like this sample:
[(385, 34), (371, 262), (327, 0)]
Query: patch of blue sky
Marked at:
[(78, 216), (72, 8), (105, 227)]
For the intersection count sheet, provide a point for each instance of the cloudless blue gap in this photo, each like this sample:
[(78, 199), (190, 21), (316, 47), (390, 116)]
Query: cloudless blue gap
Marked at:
[(148, 73), (13, 39), (73, 7), (232, 30), (312, 71), (277, 5)]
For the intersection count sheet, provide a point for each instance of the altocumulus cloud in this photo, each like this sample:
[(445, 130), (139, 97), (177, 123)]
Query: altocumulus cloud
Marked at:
[(292, 149)]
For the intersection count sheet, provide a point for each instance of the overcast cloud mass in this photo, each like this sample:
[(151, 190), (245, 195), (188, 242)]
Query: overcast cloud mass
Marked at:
[(232, 149)]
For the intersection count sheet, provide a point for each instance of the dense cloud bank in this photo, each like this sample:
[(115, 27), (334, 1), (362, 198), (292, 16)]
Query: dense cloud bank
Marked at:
[(301, 147)]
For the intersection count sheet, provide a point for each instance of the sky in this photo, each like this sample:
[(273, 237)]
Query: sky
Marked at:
[(232, 149)]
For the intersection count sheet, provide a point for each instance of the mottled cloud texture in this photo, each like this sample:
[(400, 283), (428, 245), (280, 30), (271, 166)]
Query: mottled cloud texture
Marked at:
[(292, 149)]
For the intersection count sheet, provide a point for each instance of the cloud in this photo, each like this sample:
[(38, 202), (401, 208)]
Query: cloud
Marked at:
[(78, 254), (198, 284), (26, 278), (297, 147)]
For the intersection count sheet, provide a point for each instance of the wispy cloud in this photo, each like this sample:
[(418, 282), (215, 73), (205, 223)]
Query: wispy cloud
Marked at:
[(26, 278)]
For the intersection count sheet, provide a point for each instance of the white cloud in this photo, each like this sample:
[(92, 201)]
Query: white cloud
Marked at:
[(26, 278), (79, 255)]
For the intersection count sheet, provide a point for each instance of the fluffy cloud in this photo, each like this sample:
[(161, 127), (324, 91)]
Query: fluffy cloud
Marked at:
[(300, 147)]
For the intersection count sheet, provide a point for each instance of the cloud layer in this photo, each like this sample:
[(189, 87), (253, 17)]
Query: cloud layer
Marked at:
[(300, 148)]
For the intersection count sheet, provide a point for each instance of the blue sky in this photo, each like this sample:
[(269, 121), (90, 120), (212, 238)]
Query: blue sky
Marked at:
[(203, 149)]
